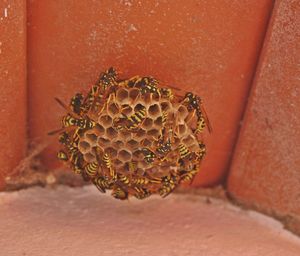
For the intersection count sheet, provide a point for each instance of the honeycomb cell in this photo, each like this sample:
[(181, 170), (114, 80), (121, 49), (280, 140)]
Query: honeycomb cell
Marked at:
[(188, 140), (117, 163), (146, 143), (131, 144), (105, 121), (182, 129), (138, 107), (147, 123), (111, 133), (89, 157), (113, 109), (158, 122), (91, 138), (122, 96), (99, 130), (118, 144), (134, 93), (166, 106), (84, 147), (153, 133), (182, 113), (140, 134), (127, 110), (124, 155), (154, 110), (102, 142), (112, 152)]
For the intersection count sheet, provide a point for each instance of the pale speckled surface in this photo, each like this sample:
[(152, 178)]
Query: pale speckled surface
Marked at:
[(67, 221)]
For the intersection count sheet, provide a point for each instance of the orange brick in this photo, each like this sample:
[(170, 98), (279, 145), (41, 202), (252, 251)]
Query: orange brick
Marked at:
[(13, 85), (266, 167), (201, 46)]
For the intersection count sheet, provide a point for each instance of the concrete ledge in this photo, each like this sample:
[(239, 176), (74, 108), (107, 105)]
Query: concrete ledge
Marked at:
[(80, 221)]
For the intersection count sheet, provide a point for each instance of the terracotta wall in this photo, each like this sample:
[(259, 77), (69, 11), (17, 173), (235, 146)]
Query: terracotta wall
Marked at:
[(13, 106), (202, 46), (265, 171)]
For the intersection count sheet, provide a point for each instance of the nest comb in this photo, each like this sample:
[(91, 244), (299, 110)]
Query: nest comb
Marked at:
[(133, 136)]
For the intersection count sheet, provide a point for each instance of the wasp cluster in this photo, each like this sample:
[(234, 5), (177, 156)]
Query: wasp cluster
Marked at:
[(133, 136)]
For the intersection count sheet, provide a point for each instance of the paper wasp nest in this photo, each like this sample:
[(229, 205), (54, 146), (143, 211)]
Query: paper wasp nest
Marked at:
[(133, 137)]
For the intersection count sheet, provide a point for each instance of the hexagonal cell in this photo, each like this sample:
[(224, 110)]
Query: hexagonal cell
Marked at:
[(122, 96), (139, 134), (134, 93), (118, 144), (137, 155), (154, 110), (189, 139), (146, 143), (165, 105), (112, 153), (154, 133), (125, 135), (84, 147), (105, 120), (182, 112), (182, 129), (127, 110), (113, 109), (111, 133), (117, 163), (124, 155), (147, 123), (89, 157), (138, 107), (99, 130), (91, 138), (140, 172), (158, 122), (132, 144), (102, 142)]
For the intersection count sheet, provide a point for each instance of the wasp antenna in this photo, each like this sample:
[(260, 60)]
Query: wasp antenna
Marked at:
[(55, 131), (61, 103)]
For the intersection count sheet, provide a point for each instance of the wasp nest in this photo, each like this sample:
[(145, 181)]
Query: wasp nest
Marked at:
[(133, 137)]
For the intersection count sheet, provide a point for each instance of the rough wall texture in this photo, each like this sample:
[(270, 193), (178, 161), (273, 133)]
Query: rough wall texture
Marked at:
[(266, 167), (12, 85), (201, 46)]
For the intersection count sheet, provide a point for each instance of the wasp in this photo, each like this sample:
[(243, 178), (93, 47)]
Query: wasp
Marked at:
[(108, 164), (77, 159), (202, 151), (183, 151), (194, 102), (146, 84), (61, 155), (149, 156), (136, 119), (189, 175), (131, 166), (72, 145), (166, 93), (119, 193), (102, 183), (144, 181), (76, 103), (141, 193), (169, 184), (91, 169), (123, 178), (164, 148)]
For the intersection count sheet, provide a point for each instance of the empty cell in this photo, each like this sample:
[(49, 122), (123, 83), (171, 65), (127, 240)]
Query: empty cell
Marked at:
[(189, 139), (140, 172), (111, 133), (132, 144), (113, 109), (124, 155), (125, 134), (126, 110), (118, 144), (105, 120), (153, 133), (165, 106), (154, 110), (147, 123), (147, 98), (99, 130), (140, 134), (182, 112), (182, 129), (103, 141), (112, 153), (84, 146), (146, 143), (89, 157), (158, 121), (91, 137), (137, 155), (134, 93), (117, 164), (122, 96), (138, 107)]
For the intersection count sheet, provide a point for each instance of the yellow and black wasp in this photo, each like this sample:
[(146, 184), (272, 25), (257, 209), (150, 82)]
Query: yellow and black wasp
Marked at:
[(61, 155), (164, 147), (76, 104), (149, 156), (141, 193), (123, 178), (108, 165), (183, 151), (194, 102), (169, 183), (145, 84), (189, 175), (102, 183), (166, 93), (136, 119), (201, 152), (119, 193), (91, 169)]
